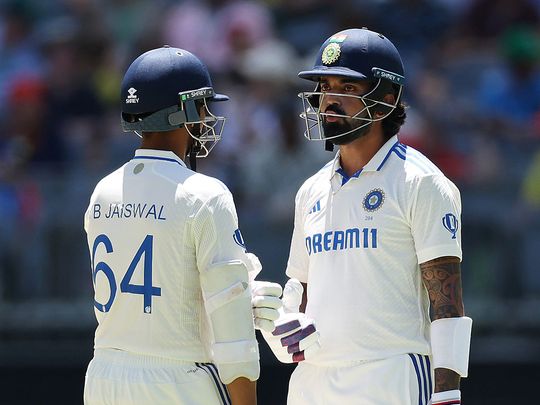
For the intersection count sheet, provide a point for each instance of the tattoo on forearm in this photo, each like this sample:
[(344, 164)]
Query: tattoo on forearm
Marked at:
[(442, 278), (446, 380)]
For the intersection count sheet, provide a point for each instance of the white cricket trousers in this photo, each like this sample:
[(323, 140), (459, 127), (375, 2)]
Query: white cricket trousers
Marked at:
[(399, 380), (115, 377)]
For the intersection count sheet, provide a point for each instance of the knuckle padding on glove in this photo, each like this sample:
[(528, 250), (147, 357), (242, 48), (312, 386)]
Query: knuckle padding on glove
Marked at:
[(298, 336), (298, 357), (266, 313), (266, 301), (286, 327), (304, 343), (270, 289)]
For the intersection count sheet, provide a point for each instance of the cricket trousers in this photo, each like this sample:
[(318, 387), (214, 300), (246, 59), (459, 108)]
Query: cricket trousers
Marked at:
[(115, 377), (399, 380)]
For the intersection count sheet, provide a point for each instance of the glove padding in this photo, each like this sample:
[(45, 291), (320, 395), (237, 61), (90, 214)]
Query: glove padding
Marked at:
[(452, 397), (265, 302), (295, 336), (264, 296)]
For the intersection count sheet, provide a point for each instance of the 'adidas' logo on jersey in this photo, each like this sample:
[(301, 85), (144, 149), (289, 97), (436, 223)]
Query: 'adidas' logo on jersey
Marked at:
[(316, 207)]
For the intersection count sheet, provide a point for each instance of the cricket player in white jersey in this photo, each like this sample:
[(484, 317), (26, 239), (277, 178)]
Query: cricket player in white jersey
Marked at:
[(376, 240), (173, 283)]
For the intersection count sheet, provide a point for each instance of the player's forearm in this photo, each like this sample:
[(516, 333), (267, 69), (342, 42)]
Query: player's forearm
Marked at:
[(304, 299), (442, 278), (446, 380), (243, 391)]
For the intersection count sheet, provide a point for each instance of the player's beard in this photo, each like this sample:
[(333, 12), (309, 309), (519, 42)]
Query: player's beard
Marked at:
[(344, 125)]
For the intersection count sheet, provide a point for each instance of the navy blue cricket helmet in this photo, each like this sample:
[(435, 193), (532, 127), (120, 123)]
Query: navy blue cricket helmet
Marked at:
[(358, 54), (165, 88)]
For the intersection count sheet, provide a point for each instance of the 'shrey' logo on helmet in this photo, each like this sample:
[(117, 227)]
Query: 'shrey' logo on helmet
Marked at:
[(331, 53), (132, 98), (373, 200)]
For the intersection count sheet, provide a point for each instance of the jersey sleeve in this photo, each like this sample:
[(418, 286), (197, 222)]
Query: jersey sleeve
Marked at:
[(297, 266), (216, 234), (436, 219)]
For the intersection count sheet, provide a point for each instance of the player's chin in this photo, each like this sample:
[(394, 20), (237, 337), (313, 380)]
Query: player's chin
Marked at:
[(332, 129)]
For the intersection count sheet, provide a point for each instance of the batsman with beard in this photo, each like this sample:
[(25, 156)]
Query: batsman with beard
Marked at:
[(376, 243)]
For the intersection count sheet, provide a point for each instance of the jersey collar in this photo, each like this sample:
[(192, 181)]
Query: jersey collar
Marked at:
[(160, 155), (376, 163)]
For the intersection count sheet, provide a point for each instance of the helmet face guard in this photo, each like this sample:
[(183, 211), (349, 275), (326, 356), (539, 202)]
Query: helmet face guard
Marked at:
[(203, 126), (372, 103)]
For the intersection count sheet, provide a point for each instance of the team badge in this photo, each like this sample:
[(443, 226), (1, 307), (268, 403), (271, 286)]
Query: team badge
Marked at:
[(451, 224), (331, 53), (373, 200)]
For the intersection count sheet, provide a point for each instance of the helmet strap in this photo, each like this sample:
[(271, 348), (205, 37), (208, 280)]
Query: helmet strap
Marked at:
[(192, 160), (328, 146), (193, 150)]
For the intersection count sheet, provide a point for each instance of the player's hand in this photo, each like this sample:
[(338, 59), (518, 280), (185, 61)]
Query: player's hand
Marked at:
[(295, 337), (265, 302)]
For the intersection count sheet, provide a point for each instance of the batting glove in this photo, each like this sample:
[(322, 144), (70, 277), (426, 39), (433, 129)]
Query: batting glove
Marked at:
[(295, 337), (452, 397), (265, 302)]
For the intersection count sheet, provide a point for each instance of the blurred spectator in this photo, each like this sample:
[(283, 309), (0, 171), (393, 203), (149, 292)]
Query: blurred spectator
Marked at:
[(219, 31), (427, 22), (303, 23), (487, 19), (73, 106), (510, 96), (18, 52), (531, 184)]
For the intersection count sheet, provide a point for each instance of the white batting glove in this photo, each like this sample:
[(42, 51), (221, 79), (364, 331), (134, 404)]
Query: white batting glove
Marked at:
[(265, 302), (295, 337), (452, 397)]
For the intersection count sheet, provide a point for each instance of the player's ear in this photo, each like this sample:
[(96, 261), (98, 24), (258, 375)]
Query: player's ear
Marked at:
[(389, 99)]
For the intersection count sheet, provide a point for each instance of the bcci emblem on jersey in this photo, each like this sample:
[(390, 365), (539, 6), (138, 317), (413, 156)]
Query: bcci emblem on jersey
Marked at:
[(373, 200), (451, 224)]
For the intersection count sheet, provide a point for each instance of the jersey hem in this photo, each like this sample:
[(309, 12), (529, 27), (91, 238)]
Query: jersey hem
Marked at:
[(435, 252), (292, 273)]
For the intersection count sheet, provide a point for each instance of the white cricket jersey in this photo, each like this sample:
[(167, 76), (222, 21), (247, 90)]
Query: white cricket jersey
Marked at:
[(152, 225), (357, 243)]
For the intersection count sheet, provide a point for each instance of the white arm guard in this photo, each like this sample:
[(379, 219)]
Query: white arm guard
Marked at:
[(228, 304), (450, 343)]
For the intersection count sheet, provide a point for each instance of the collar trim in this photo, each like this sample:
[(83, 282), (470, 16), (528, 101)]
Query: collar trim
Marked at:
[(163, 155)]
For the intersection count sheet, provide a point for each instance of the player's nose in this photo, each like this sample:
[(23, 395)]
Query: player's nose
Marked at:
[(330, 102)]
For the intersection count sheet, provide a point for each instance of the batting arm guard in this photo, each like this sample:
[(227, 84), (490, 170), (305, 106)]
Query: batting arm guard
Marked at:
[(450, 343), (227, 300)]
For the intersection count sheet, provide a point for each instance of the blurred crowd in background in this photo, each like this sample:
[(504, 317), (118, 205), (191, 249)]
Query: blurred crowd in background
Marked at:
[(472, 90)]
